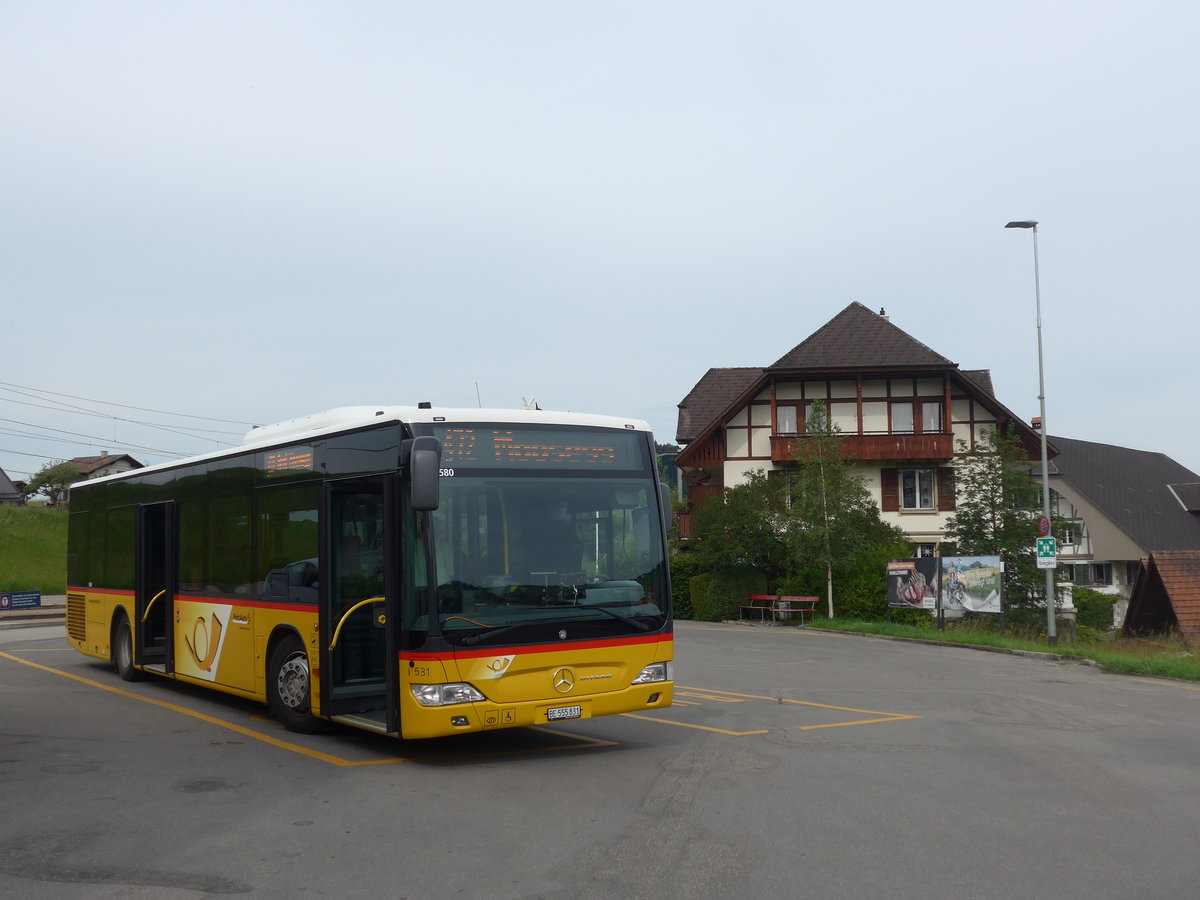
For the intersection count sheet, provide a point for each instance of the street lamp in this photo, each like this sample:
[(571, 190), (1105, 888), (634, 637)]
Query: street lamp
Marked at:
[(1051, 599)]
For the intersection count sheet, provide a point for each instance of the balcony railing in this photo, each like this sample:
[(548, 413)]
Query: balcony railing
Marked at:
[(874, 446)]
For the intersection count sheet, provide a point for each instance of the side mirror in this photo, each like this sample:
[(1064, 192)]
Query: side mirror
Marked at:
[(664, 501), (424, 464)]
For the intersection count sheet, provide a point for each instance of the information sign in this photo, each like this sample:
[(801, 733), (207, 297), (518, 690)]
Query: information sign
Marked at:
[(1047, 553)]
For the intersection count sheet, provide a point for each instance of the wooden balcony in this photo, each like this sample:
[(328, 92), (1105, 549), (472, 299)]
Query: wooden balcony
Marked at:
[(875, 446)]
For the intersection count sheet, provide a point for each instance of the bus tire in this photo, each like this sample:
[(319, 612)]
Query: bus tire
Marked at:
[(289, 687), (122, 650)]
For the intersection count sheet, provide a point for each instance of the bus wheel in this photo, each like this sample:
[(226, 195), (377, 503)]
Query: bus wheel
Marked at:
[(122, 650), (289, 687)]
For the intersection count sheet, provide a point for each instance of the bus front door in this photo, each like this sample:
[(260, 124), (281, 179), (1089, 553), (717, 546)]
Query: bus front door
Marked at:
[(358, 687), (155, 595)]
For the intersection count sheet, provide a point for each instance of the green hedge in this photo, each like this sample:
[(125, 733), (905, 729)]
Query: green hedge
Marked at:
[(698, 588), (727, 589), (1094, 609)]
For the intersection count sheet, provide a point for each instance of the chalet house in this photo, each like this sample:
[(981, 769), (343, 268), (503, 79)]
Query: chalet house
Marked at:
[(1120, 506), (901, 407), (104, 464)]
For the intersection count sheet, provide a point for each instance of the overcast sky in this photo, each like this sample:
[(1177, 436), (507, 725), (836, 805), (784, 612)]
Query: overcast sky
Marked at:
[(255, 211)]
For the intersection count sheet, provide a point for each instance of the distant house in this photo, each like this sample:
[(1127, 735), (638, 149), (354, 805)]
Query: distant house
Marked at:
[(105, 464), (10, 494), (1167, 595), (1120, 506), (902, 409)]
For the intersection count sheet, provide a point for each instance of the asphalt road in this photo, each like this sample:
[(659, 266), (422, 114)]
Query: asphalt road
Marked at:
[(794, 763)]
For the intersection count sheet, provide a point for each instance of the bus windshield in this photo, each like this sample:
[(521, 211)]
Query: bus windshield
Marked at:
[(542, 557)]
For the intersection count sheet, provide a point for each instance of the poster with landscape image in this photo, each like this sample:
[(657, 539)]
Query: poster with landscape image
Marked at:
[(971, 583)]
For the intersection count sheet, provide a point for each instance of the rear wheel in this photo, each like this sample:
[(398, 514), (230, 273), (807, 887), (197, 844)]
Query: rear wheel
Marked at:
[(122, 650), (289, 687)]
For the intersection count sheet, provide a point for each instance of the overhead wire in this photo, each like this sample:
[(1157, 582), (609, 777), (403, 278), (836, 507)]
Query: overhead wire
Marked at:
[(22, 387)]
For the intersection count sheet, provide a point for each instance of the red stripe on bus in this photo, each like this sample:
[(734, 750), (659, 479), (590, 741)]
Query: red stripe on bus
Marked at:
[(223, 601), (557, 646)]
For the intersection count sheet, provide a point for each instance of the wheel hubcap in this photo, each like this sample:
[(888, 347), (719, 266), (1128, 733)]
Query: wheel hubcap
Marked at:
[(293, 682)]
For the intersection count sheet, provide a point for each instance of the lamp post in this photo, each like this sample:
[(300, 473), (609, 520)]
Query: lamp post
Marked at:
[(1051, 599)]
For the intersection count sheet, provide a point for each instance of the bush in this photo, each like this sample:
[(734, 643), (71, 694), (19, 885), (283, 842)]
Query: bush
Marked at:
[(727, 590), (1094, 609), (697, 591)]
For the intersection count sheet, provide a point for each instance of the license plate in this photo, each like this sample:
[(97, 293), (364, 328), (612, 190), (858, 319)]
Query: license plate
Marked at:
[(564, 712)]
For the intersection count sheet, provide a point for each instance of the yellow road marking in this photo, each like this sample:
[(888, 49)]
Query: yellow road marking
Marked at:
[(296, 748), (732, 697), (709, 696), (865, 712), (696, 727)]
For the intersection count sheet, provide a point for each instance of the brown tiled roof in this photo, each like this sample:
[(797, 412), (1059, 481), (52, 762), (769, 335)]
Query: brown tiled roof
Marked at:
[(1168, 593), (857, 338), (981, 378), (710, 397)]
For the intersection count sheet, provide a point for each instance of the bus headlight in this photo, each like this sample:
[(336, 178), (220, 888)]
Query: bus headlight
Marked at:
[(662, 671), (445, 694)]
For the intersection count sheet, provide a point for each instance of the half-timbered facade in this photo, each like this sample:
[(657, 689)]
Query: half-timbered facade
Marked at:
[(903, 411)]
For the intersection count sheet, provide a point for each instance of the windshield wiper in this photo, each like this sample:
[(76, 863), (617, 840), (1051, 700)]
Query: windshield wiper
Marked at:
[(641, 626), (494, 632)]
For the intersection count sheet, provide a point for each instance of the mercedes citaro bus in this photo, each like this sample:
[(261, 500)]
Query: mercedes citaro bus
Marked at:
[(412, 571)]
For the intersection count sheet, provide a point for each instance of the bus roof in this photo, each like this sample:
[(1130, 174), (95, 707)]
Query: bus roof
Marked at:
[(351, 418)]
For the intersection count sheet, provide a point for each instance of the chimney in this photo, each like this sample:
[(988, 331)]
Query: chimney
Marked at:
[(883, 315)]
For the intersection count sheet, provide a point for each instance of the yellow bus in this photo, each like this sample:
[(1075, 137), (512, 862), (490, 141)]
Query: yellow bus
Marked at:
[(411, 571)]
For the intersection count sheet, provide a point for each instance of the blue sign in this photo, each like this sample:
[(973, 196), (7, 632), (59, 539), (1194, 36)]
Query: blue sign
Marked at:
[(20, 600)]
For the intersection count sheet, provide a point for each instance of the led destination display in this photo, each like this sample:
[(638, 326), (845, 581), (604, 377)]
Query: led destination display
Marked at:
[(469, 447)]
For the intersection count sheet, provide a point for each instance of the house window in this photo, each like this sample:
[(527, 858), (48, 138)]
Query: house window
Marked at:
[(785, 420), (931, 417), (902, 418), (923, 551), (916, 489)]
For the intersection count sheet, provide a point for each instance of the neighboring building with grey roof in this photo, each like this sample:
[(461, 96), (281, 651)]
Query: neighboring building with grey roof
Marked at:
[(104, 464), (1121, 505), (10, 494), (902, 409)]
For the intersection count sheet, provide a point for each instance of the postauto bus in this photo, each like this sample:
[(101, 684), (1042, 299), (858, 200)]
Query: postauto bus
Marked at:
[(412, 571)]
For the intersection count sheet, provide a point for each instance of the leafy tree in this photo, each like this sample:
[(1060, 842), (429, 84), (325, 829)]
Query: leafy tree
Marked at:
[(54, 480), (835, 525), (997, 505), (742, 528)]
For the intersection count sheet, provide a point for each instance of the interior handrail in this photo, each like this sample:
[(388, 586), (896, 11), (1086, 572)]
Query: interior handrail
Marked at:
[(361, 603), (150, 605)]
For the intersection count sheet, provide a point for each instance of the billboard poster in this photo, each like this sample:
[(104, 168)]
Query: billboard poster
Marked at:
[(913, 583), (971, 583)]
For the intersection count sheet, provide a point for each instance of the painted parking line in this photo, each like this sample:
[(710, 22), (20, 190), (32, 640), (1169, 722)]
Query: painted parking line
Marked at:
[(578, 742), (705, 694)]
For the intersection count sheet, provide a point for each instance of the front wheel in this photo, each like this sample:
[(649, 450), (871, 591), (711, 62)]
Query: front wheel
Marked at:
[(289, 687)]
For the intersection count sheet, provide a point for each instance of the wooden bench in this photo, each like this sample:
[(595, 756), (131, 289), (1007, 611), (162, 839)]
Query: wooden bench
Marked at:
[(780, 608)]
